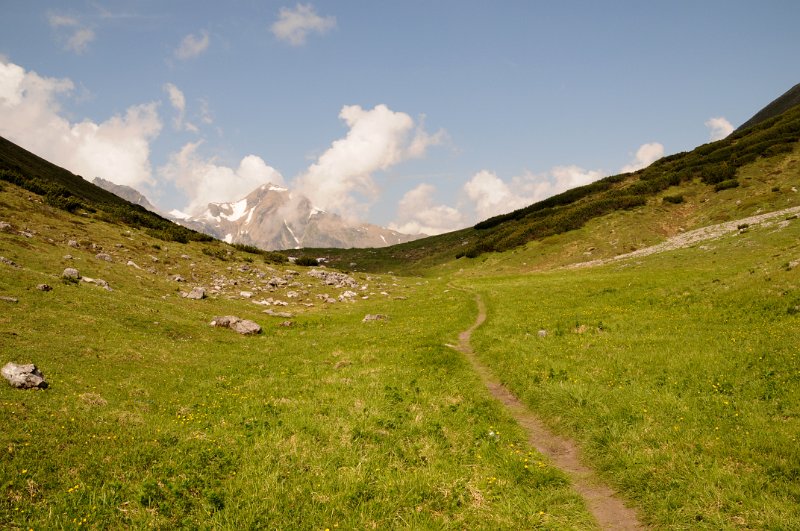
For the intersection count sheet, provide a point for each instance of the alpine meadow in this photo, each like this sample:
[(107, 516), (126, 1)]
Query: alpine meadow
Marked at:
[(648, 321)]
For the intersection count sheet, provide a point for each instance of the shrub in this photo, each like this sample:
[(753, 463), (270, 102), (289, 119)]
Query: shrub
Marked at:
[(252, 249), (675, 199), (219, 254), (272, 257), (307, 261), (725, 185)]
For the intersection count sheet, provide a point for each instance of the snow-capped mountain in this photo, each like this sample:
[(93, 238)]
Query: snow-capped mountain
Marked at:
[(271, 217)]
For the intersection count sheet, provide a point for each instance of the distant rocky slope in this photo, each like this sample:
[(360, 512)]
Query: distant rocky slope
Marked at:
[(127, 193), (271, 217)]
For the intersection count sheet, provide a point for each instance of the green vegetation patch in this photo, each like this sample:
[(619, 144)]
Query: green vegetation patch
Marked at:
[(678, 374)]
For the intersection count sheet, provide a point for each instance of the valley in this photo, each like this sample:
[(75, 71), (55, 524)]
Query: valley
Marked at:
[(666, 358)]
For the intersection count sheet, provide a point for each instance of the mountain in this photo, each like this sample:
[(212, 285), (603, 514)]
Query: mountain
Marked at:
[(127, 193), (755, 168), (64, 190), (272, 217), (783, 103)]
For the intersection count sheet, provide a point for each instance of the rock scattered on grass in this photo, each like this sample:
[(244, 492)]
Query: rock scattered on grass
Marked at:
[(196, 294), (6, 261), (542, 333), (9, 299), (103, 256), (177, 278), (132, 264), (242, 326), (26, 376), (374, 317), (72, 273), (286, 324), (44, 287), (73, 243), (5, 226), (97, 282)]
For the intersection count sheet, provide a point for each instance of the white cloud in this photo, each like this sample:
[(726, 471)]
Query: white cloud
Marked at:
[(341, 179), (294, 25), (491, 196), (57, 21), (645, 156), (192, 45), (718, 128), (417, 214), (203, 181), (78, 41), (117, 149), (178, 102)]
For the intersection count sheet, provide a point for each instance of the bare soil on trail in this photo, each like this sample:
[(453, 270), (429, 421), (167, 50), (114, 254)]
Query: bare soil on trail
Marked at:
[(607, 508)]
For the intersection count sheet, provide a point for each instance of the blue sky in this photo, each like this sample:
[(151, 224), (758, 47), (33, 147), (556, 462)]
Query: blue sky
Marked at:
[(423, 116)]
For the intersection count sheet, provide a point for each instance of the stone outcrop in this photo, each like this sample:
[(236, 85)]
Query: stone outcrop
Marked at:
[(24, 376), (242, 326)]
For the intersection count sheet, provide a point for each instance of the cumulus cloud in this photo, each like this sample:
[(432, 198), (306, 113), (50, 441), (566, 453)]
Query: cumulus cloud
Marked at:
[(417, 213), (117, 149), (178, 102), (718, 128), (79, 36), (204, 181), (645, 156), (192, 45), (294, 25), (491, 196), (341, 179)]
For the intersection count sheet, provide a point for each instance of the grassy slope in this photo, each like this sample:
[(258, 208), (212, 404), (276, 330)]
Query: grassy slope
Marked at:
[(737, 161), (677, 373), (154, 418)]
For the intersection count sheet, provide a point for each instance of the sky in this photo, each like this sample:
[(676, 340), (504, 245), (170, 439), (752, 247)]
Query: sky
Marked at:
[(423, 116)]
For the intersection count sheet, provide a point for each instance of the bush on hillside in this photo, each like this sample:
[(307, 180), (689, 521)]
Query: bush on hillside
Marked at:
[(725, 185), (307, 261), (675, 199)]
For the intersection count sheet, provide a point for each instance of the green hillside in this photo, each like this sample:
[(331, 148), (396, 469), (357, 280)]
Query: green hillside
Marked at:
[(647, 322), (788, 100), (66, 191), (715, 168)]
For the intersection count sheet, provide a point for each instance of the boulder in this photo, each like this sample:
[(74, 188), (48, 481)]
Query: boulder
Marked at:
[(196, 294), (72, 273), (44, 287), (24, 376), (97, 282), (246, 327), (242, 326)]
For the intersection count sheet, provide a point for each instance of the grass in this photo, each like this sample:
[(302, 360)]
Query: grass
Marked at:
[(155, 419), (678, 374)]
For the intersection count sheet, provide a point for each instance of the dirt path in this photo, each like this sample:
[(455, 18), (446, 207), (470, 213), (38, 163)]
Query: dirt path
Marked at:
[(608, 509)]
